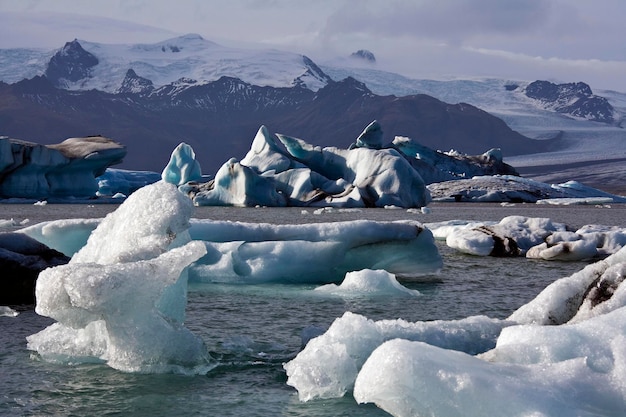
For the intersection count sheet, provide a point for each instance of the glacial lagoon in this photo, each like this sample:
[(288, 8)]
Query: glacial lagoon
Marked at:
[(252, 330)]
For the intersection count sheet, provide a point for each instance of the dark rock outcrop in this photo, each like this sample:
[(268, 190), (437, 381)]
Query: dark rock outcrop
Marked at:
[(574, 99), (70, 64)]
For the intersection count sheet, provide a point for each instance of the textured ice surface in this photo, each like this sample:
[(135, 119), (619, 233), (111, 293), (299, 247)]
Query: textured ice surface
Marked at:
[(122, 297), (327, 367)]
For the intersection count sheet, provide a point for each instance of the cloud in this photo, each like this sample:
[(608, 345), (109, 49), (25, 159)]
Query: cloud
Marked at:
[(452, 21)]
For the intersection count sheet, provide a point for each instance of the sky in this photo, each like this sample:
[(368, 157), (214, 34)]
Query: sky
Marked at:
[(556, 40)]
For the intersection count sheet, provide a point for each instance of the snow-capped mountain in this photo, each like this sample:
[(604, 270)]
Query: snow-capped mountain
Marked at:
[(83, 65), (191, 89)]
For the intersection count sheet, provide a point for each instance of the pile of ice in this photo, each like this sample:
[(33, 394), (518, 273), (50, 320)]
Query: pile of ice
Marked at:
[(280, 170), (538, 238), (561, 354), (510, 188), (122, 298)]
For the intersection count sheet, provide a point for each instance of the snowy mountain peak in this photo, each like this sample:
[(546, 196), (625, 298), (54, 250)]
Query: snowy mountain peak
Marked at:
[(70, 64), (87, 65), (365, 55), (134, 84)]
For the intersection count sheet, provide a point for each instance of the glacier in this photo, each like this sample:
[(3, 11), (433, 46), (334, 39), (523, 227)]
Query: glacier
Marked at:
[(61, 171)]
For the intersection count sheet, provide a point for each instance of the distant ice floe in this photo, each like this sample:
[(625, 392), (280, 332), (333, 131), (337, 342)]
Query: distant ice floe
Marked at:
[(539, 238), (561, 354), (509, 188), (60, 171)]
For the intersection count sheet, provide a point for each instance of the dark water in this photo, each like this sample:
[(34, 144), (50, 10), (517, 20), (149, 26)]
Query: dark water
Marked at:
[(252, 330)]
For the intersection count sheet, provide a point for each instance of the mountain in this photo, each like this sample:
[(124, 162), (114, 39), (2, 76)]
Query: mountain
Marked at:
[(215, 97), (574, 99), (219, 119), (90, 65)]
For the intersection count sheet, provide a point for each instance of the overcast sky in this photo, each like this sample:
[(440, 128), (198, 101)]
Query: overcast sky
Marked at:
[(558, 40)]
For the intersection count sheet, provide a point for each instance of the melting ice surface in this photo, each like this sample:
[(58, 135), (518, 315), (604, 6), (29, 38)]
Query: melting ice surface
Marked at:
[(563, 353), (122, 297)]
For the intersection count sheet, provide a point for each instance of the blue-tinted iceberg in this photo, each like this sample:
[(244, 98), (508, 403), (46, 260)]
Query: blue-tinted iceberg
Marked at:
[(122, 297), (182, 167), (65, 170), (254, 253), (282, 170), (311, 253)]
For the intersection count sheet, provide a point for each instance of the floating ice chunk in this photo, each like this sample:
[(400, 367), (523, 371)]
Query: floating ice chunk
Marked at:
[(408, 378), (327, 367), (120, 181), (559, 302), (122, 297), (8, 312), (182, 167), (311, 253), (136, 335), (564, 251), (513, 235), (577, 201), (369, 283)]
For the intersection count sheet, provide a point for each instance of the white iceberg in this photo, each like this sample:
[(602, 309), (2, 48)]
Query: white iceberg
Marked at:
[(367, 282), (122, 297), (328, 365), (574, 366)]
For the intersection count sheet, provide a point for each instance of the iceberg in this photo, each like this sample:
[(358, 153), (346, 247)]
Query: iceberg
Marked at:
[(115, 182), (182, 167), (561, 354), (121, 299), (368, 283), (328, 365), (254, 253), (281, 170), (65, 170)]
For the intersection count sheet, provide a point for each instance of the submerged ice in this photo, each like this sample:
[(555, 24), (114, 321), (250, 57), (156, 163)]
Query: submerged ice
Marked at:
[(122, 297)]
